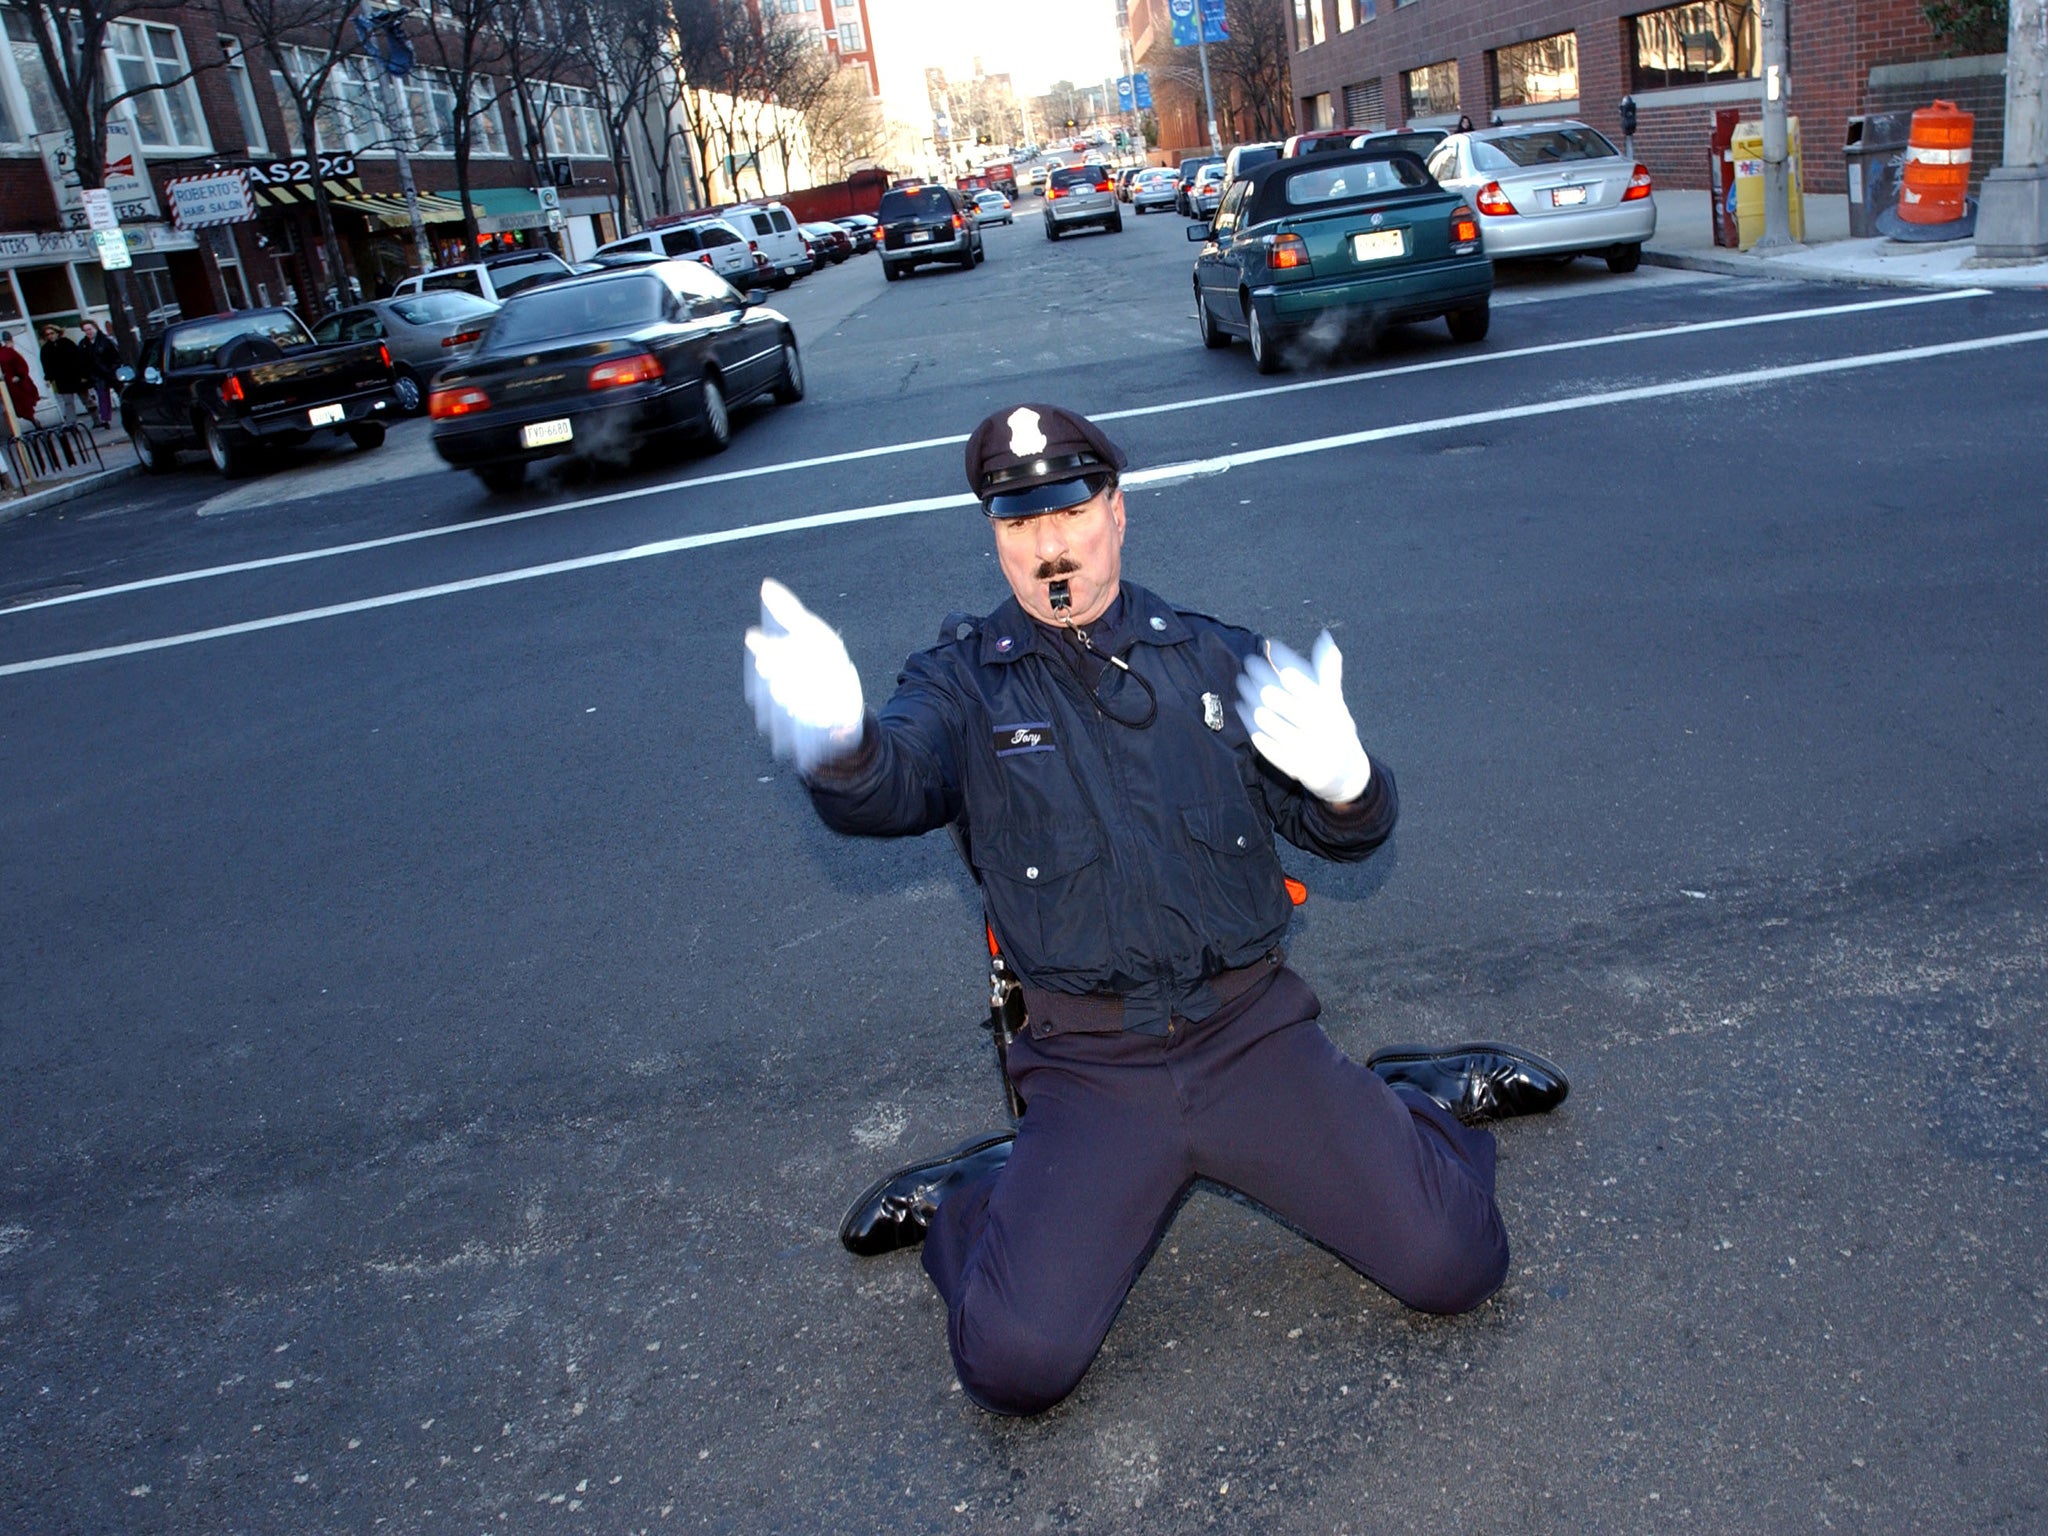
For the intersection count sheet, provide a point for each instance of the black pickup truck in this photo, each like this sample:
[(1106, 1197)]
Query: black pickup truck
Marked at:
[(235, 384)]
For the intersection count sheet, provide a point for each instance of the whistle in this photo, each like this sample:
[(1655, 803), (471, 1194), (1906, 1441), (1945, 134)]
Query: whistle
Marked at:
[(1058, 595)]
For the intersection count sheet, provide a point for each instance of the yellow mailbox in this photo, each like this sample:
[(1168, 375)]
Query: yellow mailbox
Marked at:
[(1748, 153)]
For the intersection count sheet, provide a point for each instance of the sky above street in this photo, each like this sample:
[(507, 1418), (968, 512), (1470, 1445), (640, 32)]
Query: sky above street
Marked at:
[(1035, 44)]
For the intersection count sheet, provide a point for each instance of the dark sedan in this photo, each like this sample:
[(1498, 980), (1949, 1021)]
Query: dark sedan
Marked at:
[(597, 366)]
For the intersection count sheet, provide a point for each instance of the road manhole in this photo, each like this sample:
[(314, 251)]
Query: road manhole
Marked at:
[(43, 595)]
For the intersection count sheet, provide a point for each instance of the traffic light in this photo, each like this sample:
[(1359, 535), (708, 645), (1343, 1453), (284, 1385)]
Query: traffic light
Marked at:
[(1072, 124)]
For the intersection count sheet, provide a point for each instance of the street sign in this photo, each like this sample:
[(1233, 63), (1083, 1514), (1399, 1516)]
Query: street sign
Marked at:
[(112, 247), (549, 198), (99, 208), (124, 175), (202, 202)]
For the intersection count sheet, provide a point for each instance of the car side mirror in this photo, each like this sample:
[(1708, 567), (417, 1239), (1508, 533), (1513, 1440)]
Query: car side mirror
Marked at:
[(124, 375), (1198, 232), (756, 297), (151, 376)]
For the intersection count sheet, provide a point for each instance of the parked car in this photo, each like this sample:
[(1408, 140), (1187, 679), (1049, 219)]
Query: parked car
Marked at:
[(1238, 163), (1551, 188), (1124, 178), (236, 384), (993, 208), (597, 366), (1078, 196), (495, 278), (828, 242), (1364, 238), (862, 227), (926, 223), (1320, 141), (425, 332), (772, 229), (1153, 189), (1421, 142), (716, 243), (1206, 192), (1185, 179)]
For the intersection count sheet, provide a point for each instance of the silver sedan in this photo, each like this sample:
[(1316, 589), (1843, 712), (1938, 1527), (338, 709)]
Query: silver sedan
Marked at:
[(1153, 189), (1551, 188), (425, 332)]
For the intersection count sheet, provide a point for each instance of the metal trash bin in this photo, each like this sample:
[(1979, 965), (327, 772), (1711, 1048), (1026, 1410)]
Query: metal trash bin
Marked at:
[(1875, 159)]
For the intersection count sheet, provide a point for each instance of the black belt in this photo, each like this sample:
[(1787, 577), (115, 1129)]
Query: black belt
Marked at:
[(1102, 1013)]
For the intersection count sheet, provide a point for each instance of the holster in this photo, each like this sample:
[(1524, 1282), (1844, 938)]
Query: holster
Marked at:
[(1005, 1023)]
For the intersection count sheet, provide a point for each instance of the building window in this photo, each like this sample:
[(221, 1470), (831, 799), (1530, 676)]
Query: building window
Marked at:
[(27, 104), (1365, 105), (487, 130), (142, 54), (849, 37), (1308, 23), (1347, 15), (243, 89), (1315, 112), (1547, 69), (1431, 91), (1694, 45), (575, 125)]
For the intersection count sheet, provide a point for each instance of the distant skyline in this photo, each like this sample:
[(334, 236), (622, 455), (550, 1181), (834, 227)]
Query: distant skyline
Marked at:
[(1035, 44)]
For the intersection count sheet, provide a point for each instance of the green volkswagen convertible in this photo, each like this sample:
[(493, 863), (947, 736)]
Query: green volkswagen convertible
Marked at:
[(1333, 244)]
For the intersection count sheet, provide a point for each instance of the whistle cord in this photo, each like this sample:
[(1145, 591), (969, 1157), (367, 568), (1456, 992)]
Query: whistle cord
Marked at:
[(1095, 690)]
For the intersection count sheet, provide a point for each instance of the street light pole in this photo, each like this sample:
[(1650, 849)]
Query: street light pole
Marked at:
[(1772, 20), (1208, 93)]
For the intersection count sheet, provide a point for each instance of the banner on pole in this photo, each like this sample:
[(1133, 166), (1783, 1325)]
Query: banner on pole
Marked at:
[(1141, 89)]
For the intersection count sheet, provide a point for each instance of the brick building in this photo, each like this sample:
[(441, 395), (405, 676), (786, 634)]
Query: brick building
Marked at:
[(225, 107), (1372, 63)]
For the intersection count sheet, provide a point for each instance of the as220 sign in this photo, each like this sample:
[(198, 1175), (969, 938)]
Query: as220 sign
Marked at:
[(281, 172)]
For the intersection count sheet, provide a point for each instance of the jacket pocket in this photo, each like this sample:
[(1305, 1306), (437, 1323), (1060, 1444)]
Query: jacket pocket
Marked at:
[(1044, 887), (1232, 854)]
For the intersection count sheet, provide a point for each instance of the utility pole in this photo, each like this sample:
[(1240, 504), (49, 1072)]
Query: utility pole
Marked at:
[(1208, 92), (2012, 217), (393, 61), (1773, 18)]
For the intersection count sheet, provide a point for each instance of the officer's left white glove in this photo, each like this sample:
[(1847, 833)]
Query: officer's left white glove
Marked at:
[(805, 692), (1295, 712)]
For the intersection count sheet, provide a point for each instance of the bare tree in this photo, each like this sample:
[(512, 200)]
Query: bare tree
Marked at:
[(71, 41), (794, 73), (462, 39), (538, 39), (274, 28), (846, 124), (622, 51), (1249, 72)]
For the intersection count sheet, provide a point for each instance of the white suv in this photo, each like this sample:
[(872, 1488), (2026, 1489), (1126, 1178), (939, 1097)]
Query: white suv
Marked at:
[(713, 242), (773, 229), (497, 279)]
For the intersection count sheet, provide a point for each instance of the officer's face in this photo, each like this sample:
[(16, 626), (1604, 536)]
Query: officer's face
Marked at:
[(1084, 546)]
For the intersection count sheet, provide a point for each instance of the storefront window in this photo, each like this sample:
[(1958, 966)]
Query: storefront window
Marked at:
[(1544, 70), (1432, 90), (142, 54), (1694, 44)]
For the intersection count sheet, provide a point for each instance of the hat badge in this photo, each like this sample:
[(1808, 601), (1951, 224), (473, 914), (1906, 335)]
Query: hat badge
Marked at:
[(1026, 439)]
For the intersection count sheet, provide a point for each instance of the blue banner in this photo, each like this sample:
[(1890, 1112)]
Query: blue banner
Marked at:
[(1141, 84), (1182, 14), (1214, 28), (1125, 93)]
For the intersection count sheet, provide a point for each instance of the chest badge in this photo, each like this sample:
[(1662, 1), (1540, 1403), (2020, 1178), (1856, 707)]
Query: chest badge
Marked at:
[(1212, 711)]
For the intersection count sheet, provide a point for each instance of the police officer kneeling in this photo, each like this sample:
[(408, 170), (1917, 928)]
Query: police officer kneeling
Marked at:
[(1117, 768)]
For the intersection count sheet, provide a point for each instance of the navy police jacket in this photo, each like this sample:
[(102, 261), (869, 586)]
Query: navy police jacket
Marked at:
[(1134, 862)]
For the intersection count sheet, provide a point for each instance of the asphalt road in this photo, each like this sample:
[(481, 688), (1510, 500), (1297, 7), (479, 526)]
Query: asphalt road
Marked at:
[(438, 1042)]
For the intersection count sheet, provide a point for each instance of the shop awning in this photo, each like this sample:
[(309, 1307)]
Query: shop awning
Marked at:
[(299, 194), (502, 209), (388, 208)]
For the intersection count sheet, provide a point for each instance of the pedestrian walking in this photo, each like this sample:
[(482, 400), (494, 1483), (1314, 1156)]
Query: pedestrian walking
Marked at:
[(1115, 769), (20, 382), (1464, 123), (66, 372), (102, 360)]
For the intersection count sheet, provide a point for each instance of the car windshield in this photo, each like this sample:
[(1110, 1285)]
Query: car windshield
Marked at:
[(193, 346), (915, 202), (605, 304), (1550, 146), (1357, 178), (431, 308)]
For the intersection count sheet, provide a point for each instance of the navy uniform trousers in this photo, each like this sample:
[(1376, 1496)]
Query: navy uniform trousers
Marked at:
[(1035, 1260)]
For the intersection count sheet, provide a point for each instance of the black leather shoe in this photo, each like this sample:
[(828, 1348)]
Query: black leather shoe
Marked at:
[(1479, 1081), (896, 1211)]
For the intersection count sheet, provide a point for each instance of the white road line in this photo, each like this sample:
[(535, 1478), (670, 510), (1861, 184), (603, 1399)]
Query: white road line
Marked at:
[(1463, 360), (1162, 473)]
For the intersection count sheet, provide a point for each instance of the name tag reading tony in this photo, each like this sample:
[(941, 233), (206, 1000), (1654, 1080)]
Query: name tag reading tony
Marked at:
[(1025, 736)]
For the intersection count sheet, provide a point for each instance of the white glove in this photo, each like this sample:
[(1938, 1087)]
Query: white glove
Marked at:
[(805, 693), (1299, 723)]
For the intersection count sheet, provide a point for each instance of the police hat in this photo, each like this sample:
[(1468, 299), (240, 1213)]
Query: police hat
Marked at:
[(1038, 458)]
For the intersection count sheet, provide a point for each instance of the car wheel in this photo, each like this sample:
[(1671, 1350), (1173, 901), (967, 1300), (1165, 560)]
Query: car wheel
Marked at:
[(153, 459), (367, 436), (1624, 258), (407, 388), (789, 388), (1116, 224), (502, 479), (890, 272), (965, 260), (231, 458), (1265, 354), (1468, 325), (1214, 337), (1051, 230), (717, 419)]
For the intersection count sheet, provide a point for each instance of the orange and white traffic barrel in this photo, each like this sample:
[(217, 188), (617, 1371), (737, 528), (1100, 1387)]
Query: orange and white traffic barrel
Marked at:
[(1937, 165)]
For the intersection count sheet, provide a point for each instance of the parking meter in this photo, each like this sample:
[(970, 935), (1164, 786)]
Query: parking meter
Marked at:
[(1628, 125)]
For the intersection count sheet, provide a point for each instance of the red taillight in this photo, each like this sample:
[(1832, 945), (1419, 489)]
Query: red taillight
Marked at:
[(1287, 251), (384, 353), (637, 369), (754, 246), (460, 338), (958, 221), (1053, 192), (460, 401), (705, 258), (1102, 186), (1464, 231), (231, 391), (1638, 185), (1493, 201)]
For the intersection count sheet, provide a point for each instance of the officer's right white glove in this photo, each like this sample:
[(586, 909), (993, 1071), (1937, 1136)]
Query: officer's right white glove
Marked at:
[(1299, 723), (805, 692)]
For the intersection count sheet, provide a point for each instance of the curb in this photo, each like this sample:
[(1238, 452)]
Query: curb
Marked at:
[(1791, 269), (70, 490)]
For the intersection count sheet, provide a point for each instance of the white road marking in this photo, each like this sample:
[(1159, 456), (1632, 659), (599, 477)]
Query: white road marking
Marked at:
[(885, 450), (1164, 473)]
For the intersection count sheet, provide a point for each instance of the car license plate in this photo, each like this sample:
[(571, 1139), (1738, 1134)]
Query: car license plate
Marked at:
[(1377, 245), (1567, 197), (919, 236), (539, 434), (326, 415)]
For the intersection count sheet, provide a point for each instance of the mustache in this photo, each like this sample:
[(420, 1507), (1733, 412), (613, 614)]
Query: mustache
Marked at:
[(1064, 566)]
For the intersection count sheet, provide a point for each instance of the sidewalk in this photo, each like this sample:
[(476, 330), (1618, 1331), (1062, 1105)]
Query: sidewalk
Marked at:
[(117, 453), (1685, 239)]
